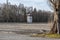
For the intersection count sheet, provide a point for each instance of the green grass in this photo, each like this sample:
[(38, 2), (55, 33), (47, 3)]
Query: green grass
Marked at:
[(53, 35), (46, 35)]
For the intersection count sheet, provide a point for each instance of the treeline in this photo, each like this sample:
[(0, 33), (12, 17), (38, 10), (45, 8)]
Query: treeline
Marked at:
[(41, 16), (14, 13)]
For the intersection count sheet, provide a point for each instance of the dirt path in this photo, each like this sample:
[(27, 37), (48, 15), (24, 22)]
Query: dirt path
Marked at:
[(13, 36), (24, 26), (7, 31)]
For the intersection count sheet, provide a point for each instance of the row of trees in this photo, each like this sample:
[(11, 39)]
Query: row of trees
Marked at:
[(14, 13), (41, 16)]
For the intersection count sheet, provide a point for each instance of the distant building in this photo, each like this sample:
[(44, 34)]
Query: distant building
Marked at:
[(29, 18), (29, 14)]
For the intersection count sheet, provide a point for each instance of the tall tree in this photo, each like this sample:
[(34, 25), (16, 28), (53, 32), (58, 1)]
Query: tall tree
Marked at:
[(5, 13), (55, 5)]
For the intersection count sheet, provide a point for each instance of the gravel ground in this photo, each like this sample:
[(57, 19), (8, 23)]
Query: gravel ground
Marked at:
[(12, 26), (13, 36), (7, 28)]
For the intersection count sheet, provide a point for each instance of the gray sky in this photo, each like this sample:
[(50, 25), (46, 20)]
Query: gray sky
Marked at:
[(39, 4)]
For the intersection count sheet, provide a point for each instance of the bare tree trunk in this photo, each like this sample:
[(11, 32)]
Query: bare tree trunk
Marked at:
[(54, 29)]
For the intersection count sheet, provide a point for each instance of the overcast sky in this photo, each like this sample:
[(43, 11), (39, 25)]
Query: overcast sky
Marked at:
[(39, 4)]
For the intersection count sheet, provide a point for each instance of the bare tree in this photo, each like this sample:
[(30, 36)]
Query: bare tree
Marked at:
[(55, 5), (5, 13)]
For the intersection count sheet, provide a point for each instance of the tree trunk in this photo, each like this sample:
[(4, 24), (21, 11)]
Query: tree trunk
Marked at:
[(55, 27)]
